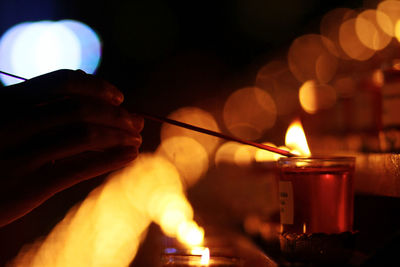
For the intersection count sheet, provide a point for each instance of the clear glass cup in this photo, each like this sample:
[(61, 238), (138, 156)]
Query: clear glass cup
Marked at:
[(316, 207)]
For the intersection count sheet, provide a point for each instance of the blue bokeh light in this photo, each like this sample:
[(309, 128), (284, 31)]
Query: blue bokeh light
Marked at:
[(33, 48)]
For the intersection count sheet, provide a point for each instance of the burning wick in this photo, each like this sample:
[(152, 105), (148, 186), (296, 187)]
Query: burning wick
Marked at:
[(197, 129)]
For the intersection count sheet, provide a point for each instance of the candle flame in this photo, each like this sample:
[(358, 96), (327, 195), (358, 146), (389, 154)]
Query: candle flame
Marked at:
[(205, 257), (296, 139)]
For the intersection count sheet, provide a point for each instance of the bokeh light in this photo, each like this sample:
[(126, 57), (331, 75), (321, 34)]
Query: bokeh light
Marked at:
[(90, 44), (314, 96), (276, 78), (370, 33), (350, 42), (330, 26), (249, 112), (194, 116), (43, 47), (33, 48), (107, 228), (188, 155), (391, 11), (6, 44), (235, 153), (226, 153), (309, 59)]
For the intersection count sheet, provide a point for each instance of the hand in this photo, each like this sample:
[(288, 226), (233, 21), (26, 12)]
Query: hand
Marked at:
[(57, 130)]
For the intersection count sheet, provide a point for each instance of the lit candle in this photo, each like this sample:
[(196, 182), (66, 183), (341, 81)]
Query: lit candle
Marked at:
[(316, 204)]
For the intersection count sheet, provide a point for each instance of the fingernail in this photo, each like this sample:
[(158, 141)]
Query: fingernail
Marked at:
[(138, 121)]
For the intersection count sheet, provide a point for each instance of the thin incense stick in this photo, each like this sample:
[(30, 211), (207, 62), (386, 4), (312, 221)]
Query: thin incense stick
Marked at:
[(216, 134), (12, 75), (197, 129)]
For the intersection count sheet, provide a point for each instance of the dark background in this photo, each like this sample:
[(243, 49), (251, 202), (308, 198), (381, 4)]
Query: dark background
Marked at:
[(165, 55), (168, 54)]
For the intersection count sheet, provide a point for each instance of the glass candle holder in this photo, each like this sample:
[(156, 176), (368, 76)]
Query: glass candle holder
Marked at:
[(316, 208)]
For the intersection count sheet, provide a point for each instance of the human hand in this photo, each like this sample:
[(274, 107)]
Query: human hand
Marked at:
[(57, 130)]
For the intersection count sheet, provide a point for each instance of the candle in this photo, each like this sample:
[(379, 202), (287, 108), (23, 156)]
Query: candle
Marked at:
[(316, 205)]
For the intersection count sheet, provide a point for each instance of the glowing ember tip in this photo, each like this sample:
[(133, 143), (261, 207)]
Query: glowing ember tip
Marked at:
[(296, 140)]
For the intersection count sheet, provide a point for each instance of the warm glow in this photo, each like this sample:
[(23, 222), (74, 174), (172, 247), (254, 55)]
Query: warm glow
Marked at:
[(249, 112), (378, 78), (108, 227), (205, 257), (397, 30), (391, 11), (263, 155), (276, 78), (304, 228), (188, 156), (351, 44), (226, 153), (197, 117), (309, 59), (190, 233), (204, 252), (244, 155), (314, 96), (296, 140), (329, 27), (235, 153), (369, 32)]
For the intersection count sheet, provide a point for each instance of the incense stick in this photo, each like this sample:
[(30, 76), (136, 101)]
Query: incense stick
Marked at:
[(196, 128), (216, 134), (12, 75)]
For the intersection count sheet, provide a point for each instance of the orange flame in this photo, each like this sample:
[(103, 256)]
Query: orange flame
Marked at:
[(296, 140)]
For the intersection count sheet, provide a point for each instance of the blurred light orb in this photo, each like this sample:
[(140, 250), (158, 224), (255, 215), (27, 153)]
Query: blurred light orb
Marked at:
[(197, 117), (89, 42), (351, 44), (314, 96), (397, 30), (370, 33), (330, 26), (226, 153), (249, 112), (245, 155), (309, 59), (188, 155), (30, 49), (6, 44), (276, 78), (391, 11)]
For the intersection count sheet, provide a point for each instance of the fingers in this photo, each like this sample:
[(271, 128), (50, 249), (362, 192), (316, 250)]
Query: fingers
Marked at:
[(60, 84), (54, 178), (65, 112), (67, 141)]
